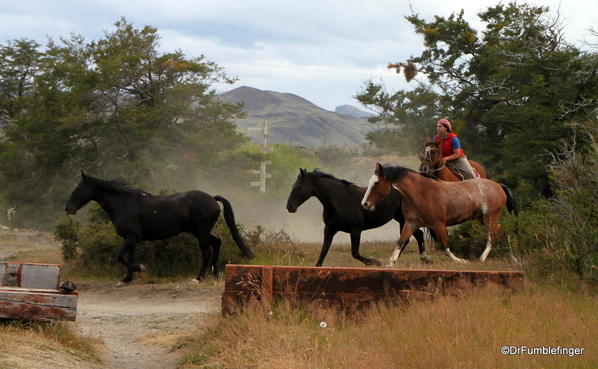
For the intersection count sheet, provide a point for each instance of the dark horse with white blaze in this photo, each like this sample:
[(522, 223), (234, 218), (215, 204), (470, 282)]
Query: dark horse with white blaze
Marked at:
[(138, 216), (430, 202), (343, 212)]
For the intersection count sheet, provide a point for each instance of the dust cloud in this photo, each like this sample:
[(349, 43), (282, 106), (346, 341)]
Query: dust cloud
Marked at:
[(253, 208)]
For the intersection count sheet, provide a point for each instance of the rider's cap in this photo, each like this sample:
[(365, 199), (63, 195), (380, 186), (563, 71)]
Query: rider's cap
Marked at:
[(446, 124)]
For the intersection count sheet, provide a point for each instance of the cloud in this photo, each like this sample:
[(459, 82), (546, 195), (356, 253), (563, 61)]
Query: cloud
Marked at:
[(322, 50)]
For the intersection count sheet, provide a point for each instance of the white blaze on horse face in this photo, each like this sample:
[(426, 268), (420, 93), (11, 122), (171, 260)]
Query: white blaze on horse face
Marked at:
[(371, 184), (427, 153)]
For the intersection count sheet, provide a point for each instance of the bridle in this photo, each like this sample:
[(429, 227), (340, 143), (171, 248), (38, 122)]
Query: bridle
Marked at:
[(428, 157)]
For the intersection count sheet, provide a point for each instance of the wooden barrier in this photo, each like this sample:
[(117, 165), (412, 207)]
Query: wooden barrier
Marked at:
[(347, 288), (31, 291)]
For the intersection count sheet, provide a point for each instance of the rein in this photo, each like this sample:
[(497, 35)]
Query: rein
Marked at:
[(428, 157), (394, 185)]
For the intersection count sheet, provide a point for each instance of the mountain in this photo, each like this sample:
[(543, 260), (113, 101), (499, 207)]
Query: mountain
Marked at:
[(352, 111), (292, 119)]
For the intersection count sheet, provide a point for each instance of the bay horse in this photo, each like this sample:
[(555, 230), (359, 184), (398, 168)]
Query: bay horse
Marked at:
[(343, 212), (432, 164), (430, 202), (138, 216)]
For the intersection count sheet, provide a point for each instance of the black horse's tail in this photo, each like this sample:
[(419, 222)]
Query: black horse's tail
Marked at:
[(229, 218), (511, 204)]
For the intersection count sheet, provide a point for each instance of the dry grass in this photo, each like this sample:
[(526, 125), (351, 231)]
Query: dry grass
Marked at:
[(51, 344), (306, 254), (465, 331)]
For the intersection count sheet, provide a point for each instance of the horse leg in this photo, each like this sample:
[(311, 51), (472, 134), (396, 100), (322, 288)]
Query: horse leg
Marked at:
[(215, 242), (490, 222), (406, 233), (328, 235), (136, 267), (355, 240), (419, 237), (442, 234), (127, 248), (206, 254)]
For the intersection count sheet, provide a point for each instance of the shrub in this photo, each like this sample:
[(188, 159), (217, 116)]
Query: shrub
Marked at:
[(92, 248), (559, 235)]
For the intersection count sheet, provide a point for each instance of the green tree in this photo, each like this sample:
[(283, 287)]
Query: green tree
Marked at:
[(513, 88), (116, 107)]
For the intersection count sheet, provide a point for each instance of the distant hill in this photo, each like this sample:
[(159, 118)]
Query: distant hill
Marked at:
[(352, 111), (293, 119)]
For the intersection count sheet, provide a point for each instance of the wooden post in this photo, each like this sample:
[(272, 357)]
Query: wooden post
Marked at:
[(262, 171), (266, 285)]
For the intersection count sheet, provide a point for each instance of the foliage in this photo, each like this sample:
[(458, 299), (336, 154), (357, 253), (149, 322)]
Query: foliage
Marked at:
[(551, 238), (285, 163), (96, 244), (335, 159), (116, 107), (511, 89), (274, 248), (565, 229), (67, 230)]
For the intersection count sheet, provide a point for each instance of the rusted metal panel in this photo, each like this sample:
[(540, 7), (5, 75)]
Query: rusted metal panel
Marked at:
[(37, 304), (29, 275), (347, 288)]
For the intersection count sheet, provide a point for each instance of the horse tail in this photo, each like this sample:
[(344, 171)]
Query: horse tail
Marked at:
[(229, 218), (511, 204)]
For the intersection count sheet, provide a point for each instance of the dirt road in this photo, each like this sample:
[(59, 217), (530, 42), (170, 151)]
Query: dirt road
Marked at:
[(139, 323)]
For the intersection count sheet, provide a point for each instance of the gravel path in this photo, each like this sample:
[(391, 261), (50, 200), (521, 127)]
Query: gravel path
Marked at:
[(139, 323)]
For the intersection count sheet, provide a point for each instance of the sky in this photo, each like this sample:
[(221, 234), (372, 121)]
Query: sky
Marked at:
[(321, 50)]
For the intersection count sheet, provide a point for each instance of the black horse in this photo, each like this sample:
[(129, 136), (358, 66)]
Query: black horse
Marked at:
[(138, 215), (341, 200)]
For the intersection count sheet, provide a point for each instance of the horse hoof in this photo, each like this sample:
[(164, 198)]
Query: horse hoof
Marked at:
[(142, 268), (122, 284), (426, 259), (195, 281)]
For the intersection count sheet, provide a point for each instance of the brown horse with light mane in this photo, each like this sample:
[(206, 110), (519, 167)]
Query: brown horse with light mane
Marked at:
[(429, 202), (432, 164)]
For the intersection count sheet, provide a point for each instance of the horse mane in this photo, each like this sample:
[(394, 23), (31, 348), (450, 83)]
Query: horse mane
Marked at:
[(317, 173), (116, 185), (395, 173)]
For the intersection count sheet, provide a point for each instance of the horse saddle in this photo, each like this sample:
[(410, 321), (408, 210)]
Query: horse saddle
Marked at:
[(461, 174)]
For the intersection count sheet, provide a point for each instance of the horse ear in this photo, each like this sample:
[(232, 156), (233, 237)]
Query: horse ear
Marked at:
[(83, 176), (302, 172), (379, 169)]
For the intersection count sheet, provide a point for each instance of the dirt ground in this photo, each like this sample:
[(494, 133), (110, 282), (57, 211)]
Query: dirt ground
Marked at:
[(135, 326), (139, 324)]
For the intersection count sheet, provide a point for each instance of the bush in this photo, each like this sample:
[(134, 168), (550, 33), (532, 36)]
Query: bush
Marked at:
[(559, 235), (274, 248), (551, 238), (92, 248), (468, 240)]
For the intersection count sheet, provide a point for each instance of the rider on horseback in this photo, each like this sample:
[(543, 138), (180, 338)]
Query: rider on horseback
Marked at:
[(453, 155)]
